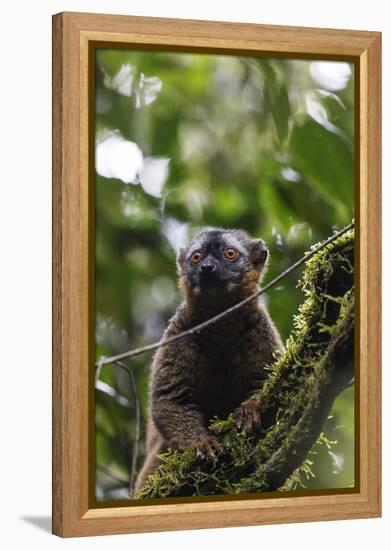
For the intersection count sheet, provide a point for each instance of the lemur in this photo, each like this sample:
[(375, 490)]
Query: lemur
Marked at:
[(221, 369)]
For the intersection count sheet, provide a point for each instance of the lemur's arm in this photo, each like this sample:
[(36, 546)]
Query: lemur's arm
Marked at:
[(175, 411), (248, 415)]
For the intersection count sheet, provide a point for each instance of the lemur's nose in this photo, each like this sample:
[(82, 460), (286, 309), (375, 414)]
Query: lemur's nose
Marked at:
[(208, 266)]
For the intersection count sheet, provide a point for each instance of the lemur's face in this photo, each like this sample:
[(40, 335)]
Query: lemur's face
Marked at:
[(221, 261)]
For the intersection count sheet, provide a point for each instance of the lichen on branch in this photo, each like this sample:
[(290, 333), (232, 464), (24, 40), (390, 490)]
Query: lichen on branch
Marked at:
[(315, 368)]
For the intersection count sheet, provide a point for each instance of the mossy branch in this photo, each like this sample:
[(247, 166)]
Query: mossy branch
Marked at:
[(315, 368)]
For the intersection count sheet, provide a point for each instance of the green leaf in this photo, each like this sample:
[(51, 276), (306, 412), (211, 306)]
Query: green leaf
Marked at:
[(277, 98), (325, 160)]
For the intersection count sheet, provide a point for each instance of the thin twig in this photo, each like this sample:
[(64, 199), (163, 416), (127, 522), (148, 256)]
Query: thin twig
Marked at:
[(136, 444), (201, 326), (99, 366)]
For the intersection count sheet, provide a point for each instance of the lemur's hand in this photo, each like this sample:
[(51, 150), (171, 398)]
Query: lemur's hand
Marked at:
[(207, 447), (248, 416)]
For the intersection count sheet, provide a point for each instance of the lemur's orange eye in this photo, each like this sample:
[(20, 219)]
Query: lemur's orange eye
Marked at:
[(231, 254), (196, 256)]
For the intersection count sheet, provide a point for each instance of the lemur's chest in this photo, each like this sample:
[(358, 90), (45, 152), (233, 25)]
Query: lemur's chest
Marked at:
[(222, 378), (224, 356)]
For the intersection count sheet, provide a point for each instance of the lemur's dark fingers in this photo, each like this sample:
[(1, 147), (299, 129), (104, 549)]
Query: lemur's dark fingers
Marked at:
[(206, 448), (247, 417), (238, 417), (253, 420)]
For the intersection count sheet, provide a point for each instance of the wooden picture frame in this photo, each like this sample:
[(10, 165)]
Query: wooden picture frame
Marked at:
[(75, 35)]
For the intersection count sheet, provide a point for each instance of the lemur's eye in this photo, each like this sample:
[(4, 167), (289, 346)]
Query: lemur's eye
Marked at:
[(196, 256), (231, 254)]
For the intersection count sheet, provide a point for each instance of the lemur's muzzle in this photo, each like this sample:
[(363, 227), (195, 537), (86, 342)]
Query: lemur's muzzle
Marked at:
[(210, 273)]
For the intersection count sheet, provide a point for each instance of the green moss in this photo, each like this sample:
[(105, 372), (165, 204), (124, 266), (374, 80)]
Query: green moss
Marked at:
[(302, 385)]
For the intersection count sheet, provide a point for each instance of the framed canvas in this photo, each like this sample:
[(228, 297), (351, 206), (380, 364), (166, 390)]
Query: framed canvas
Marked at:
[(200, 153)]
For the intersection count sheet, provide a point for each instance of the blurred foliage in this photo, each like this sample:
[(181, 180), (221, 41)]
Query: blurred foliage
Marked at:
[(259, 144)]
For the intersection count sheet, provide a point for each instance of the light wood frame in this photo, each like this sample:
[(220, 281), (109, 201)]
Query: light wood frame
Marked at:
[(73, 34)]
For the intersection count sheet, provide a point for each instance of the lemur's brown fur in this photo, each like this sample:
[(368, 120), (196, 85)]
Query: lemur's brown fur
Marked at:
[(221, 369)]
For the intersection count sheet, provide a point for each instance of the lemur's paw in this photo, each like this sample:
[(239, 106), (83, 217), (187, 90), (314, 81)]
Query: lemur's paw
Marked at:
[(207, 448), (247, 417)]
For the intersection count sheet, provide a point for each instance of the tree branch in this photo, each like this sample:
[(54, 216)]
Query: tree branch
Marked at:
[(194, 330), (136, 444), (315, 368)]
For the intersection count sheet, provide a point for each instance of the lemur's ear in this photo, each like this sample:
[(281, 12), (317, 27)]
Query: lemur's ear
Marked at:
[(258, 253)]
